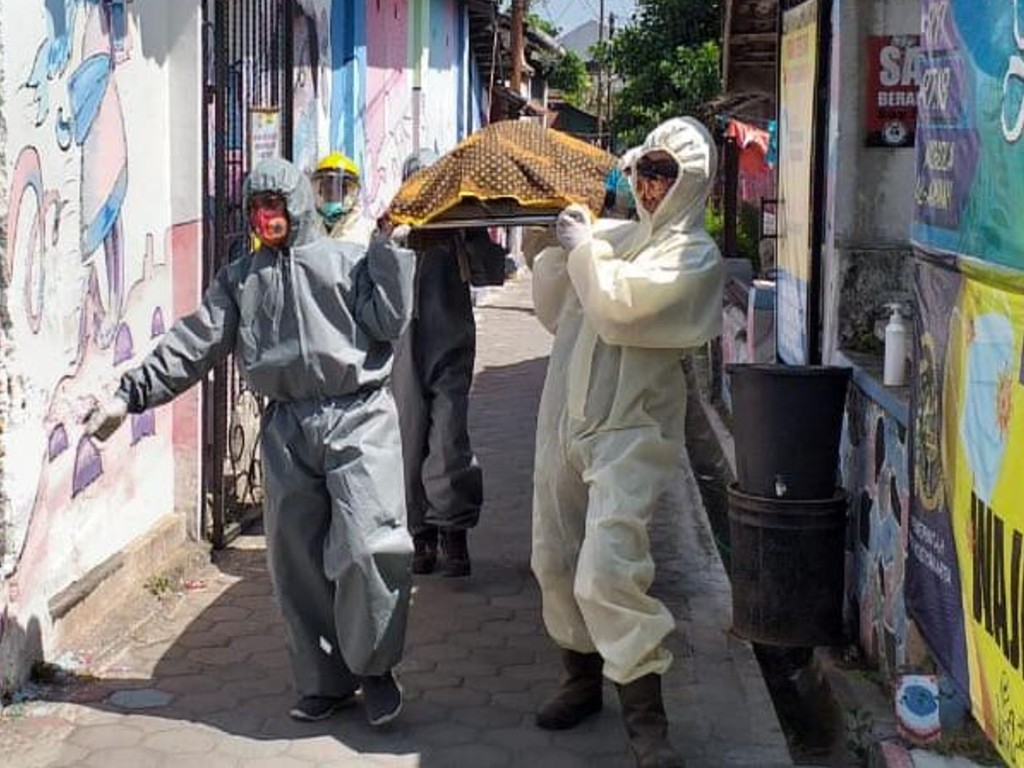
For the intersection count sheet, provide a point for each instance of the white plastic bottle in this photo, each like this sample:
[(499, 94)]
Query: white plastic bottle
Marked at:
[(895, 372)]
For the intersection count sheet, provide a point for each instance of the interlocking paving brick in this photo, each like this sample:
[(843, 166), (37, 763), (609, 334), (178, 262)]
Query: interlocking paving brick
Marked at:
[(106, 736), (475, 755), (140, 698), (456, 697), (478, 660), (122, 758), (447, 734), (181, 741), (488, 717)]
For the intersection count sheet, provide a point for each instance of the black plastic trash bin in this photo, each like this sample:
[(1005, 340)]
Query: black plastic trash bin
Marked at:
[(787, 568), (787, 424)]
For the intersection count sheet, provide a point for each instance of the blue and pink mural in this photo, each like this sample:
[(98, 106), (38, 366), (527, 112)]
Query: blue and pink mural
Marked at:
[(95, 269), (873, 462)]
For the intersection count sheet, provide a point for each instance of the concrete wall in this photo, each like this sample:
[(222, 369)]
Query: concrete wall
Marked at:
[(870, 193), (869, 204), (103, 164)]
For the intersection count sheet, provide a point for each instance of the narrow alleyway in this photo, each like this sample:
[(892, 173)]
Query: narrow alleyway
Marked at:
[(207, 684)]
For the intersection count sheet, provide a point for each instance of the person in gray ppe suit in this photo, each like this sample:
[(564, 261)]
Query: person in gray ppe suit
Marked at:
[(310, 321), (432, 376)]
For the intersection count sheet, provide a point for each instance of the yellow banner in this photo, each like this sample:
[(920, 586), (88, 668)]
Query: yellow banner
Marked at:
[(799, 64), (796, 137), (983, 448)]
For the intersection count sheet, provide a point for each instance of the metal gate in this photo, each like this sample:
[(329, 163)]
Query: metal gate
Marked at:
[(248, 77)]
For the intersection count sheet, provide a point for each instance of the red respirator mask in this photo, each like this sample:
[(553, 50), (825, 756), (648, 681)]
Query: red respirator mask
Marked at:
[(269, 221)]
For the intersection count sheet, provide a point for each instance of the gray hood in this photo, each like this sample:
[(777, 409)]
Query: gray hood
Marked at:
[(277, 175)]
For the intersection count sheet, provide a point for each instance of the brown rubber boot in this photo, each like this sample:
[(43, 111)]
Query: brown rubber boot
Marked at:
[(644, 715), (579, 696)]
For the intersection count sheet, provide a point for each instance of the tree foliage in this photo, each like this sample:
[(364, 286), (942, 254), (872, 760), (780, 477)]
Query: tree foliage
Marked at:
[(545, 26), (570, 76), (669, 59)]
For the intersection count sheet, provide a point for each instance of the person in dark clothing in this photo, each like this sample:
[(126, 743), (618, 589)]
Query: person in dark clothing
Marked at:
[(431, 379)]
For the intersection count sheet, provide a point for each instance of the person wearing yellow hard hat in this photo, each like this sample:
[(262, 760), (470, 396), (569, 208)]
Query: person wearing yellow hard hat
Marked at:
[(336, 185)]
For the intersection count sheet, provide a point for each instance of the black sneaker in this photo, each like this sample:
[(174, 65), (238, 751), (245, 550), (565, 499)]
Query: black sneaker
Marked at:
[(382, 698), (310, 709)]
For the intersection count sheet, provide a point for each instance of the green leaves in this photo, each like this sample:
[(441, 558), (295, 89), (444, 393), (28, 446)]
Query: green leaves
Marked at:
[(570, 76), (676, 82)]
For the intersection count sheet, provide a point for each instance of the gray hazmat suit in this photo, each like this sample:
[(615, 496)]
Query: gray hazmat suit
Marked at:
[(624, 308), (311, 328), (433, 373)]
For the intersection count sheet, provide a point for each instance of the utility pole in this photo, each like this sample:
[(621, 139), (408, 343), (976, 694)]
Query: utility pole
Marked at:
[(518, 45), (611, 76), (600, 75)]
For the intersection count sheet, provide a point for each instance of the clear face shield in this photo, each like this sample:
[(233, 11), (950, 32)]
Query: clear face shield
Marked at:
[(336, 193)]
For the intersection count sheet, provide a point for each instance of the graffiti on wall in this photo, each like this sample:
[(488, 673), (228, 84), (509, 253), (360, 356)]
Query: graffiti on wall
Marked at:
[(88, 292), (874, 470), (388, 109)]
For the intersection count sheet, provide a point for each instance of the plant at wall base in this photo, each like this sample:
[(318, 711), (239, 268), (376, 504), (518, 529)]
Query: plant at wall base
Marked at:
[(859, 732), (44, 673), (159, 585)]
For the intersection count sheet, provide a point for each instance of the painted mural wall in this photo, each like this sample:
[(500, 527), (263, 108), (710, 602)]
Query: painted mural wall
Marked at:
[(377, 61), (412, 48), (873, 463), (95, 269)]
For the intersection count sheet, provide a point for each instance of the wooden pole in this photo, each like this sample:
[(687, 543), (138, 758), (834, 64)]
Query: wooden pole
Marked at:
[(600, 76), (518, 44)]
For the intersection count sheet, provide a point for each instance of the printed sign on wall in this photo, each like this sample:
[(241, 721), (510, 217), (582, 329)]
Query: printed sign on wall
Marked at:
[(893, 79), (966, 547), (970, 125)]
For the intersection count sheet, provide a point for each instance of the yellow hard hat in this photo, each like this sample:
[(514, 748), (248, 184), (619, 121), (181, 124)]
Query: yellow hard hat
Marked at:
[(338, 161)]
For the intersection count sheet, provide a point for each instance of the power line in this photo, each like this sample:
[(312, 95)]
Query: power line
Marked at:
[(593, 11)]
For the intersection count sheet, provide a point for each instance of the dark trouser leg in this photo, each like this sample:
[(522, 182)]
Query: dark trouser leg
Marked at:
[(452, 478)]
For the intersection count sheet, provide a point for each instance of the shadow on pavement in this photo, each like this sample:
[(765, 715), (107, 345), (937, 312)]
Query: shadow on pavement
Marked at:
[(477, 664)]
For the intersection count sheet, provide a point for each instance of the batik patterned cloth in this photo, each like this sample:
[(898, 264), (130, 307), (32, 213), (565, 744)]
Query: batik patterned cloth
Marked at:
[(516, 163)]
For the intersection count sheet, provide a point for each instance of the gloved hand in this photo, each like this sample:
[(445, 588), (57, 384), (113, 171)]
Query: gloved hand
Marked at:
[(105, 416), (572, 228), (400, 234)]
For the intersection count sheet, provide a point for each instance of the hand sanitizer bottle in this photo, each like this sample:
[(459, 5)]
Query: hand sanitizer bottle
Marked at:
[(895, 371)]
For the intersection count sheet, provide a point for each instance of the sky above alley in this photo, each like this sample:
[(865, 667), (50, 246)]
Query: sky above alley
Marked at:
[(569, 14)]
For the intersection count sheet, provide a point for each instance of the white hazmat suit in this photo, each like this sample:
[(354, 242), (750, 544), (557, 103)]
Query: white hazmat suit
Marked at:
[(624, 307)]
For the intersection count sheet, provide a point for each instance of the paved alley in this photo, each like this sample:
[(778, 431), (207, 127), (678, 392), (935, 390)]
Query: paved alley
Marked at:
[(206, 684)]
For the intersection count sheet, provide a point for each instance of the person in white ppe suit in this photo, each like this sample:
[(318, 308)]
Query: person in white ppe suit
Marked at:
[(310, 321), (625, 301)]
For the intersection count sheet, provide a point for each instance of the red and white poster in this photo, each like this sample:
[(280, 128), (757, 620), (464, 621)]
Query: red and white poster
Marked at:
[(894, 70)]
